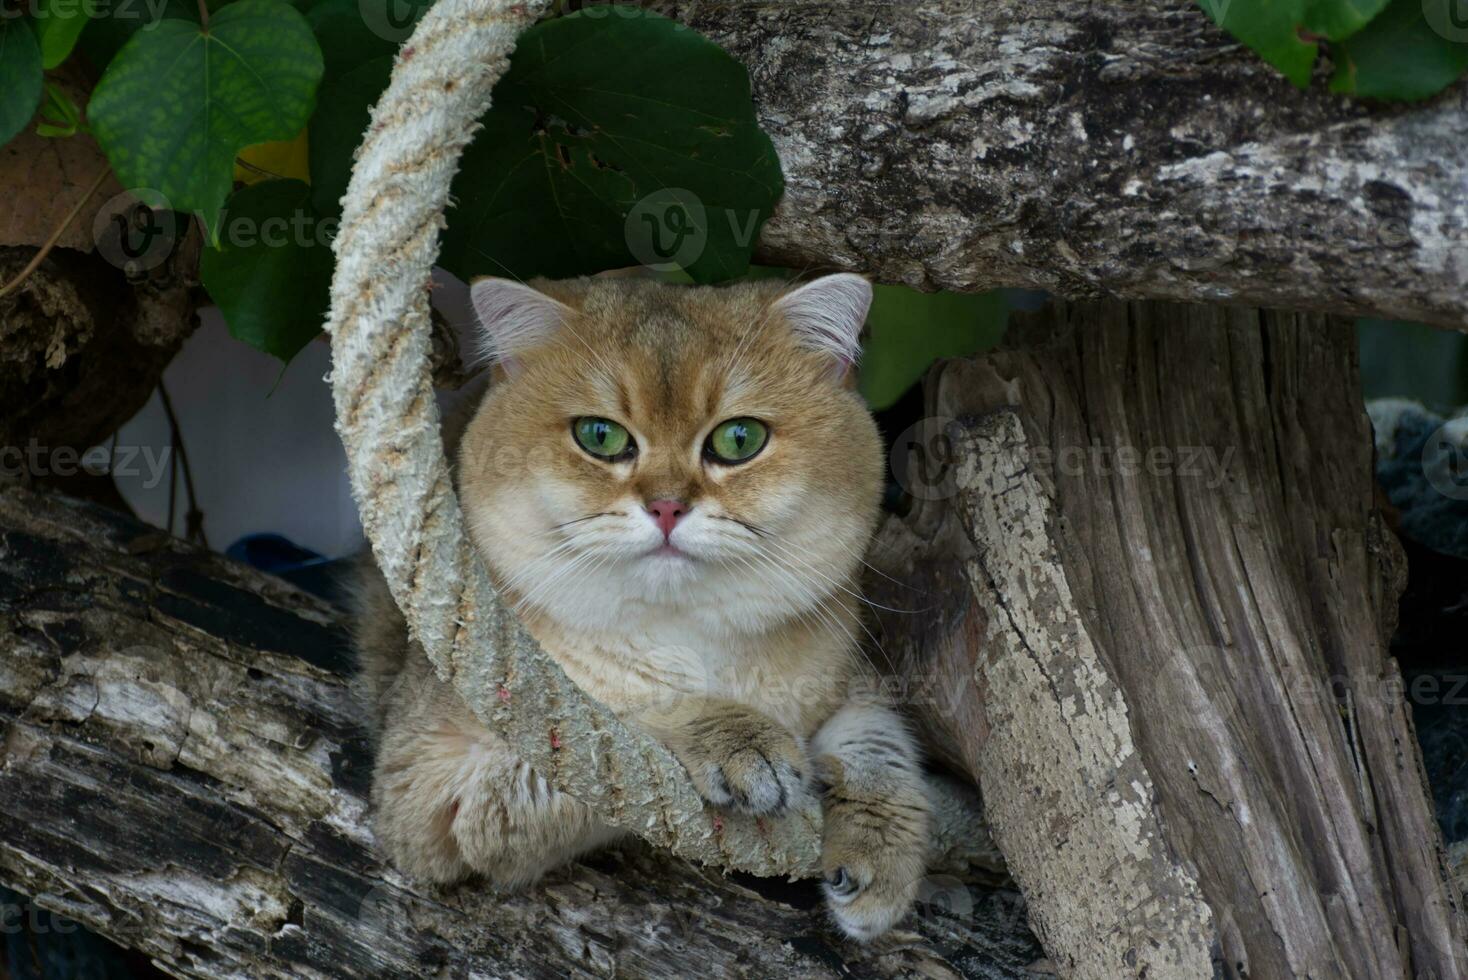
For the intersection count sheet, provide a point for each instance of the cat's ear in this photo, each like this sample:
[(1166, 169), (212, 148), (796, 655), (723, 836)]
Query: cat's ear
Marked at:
[(827, 315), (514, 318)]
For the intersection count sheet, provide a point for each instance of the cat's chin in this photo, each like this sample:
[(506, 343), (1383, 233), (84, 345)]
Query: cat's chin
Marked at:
[(668, 552)]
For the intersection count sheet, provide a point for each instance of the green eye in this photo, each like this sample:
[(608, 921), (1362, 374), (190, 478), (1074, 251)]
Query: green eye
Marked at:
[(737, 440), (603, 438)]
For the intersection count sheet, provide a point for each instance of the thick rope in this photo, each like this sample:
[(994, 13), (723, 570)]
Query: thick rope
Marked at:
[(388, 421)]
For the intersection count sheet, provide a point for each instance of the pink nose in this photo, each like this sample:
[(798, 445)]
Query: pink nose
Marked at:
[(667, 513)]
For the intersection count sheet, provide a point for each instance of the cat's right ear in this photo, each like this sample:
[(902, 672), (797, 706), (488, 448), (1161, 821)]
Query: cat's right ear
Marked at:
[(514, 318)]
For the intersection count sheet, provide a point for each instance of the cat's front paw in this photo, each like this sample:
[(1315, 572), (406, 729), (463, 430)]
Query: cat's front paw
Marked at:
[(873, 855), (749, 763)]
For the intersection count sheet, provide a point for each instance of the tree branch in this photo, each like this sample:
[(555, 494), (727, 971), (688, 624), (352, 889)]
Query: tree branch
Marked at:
[(183, 769), (1128, 148)]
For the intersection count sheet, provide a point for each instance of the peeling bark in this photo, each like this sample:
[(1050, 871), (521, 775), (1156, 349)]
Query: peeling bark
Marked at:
[(85, 338), (183, 770), (1125, 148), (1157, 531)]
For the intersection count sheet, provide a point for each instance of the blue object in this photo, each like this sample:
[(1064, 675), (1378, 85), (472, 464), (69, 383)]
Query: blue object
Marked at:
[(302, 567)]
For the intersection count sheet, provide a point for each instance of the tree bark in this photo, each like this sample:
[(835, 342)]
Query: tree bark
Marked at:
[(85, 338), (1155, 541), (1127, 148), (184, 771)]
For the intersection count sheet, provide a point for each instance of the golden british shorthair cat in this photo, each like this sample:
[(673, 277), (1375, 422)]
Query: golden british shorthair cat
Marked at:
[(674, 486)]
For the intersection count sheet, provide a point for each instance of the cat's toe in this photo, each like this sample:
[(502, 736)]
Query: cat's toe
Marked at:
[(755, 781), (865, 901)]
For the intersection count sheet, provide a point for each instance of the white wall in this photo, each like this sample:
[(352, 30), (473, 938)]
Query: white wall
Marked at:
[(260, 440), (260, 443)]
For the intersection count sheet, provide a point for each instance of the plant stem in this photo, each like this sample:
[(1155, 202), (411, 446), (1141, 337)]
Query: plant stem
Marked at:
[(60, 230)]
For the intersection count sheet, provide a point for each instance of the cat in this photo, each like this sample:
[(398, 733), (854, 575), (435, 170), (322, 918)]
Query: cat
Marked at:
[(674, 486)]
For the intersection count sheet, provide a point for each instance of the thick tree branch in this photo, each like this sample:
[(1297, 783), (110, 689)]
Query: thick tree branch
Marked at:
[(1128, 148), (183, 769)]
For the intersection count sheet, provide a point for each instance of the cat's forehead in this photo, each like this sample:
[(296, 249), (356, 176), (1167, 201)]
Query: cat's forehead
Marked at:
[(675, 353)]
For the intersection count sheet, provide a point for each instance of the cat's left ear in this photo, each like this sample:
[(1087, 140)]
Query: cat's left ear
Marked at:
[(514, 317), (827, 315)]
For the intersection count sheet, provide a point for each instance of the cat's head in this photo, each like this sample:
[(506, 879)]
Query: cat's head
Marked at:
[(650, 447)]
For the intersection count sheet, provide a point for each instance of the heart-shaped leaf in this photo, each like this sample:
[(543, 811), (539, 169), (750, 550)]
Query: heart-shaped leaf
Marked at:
[(20, 76), (345, 107), (181, 100), (1403, 54), (353, 32), (271, 273), (1272, 29), (617, 137), (104, 35), (1337, 20)]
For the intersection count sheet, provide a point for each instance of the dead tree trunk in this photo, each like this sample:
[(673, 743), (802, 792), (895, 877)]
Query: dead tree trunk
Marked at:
[(1154, 538), (183, 770)]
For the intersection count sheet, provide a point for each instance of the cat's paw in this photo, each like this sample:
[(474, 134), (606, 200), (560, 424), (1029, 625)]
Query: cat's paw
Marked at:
[(874, 852), (751, 764), (867, 894)]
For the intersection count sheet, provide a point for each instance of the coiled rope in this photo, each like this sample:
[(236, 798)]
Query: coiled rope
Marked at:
[(388, 420)]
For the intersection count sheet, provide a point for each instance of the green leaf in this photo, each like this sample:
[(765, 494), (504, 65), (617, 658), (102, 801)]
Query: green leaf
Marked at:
[(1402, 54), (62, 117), (179, 101), (343, 110), (614, 139), (1271, 28), (271, 273), (20, 76), (909, 330), (353, 32), (116, 23), (1337, 20), (58, 25)]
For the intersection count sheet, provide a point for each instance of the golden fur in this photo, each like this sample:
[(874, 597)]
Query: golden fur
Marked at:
[(733, 638)]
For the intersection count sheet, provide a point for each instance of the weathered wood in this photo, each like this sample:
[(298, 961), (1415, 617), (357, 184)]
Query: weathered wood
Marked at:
[(84, 340), (1128, 148), (184, 770), (1156, 524)]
